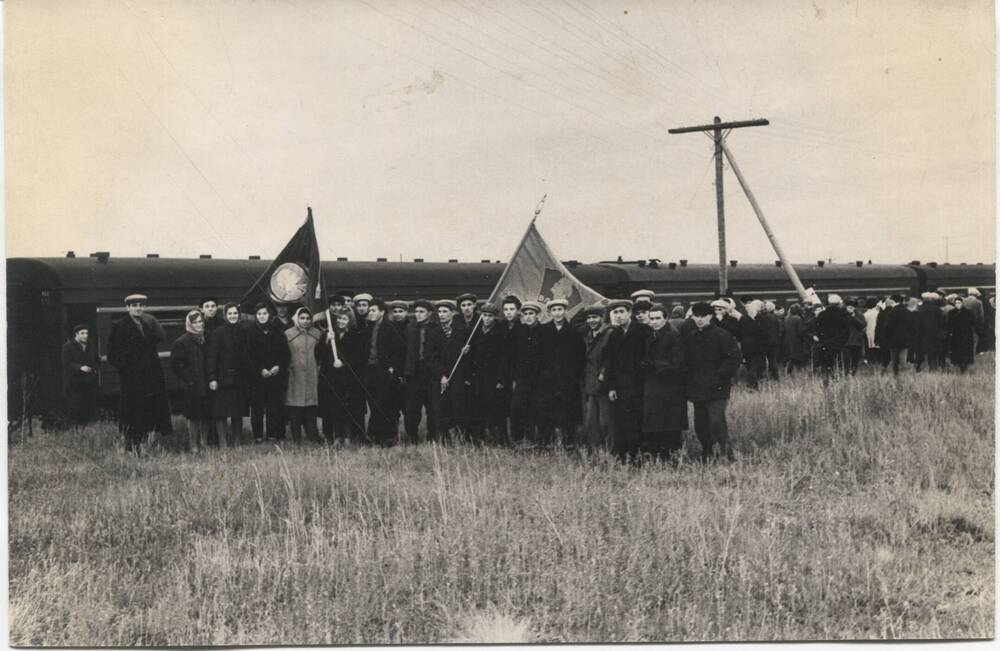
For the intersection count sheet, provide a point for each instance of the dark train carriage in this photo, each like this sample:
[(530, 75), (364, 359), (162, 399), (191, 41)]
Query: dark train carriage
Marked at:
[(956, 277), (683, 282)]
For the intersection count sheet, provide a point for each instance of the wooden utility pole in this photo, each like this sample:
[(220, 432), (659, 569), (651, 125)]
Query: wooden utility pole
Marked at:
[(717, 127)]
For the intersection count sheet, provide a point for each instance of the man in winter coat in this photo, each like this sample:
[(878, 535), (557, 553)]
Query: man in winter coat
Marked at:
[(385, 360), (563, 357), (598, 417), (753, 338), (856, 337), (664, 404), (525, 369), (453, 372), (80, 365), (896, 331), (832, 331), (132, 351), (771, 324), (929, 323), (489, 378), (626, 350), (724, 318), (961, 342), (421, 382), (712, 359)]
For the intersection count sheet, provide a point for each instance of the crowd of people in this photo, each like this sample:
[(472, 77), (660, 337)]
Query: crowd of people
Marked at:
[(618, 375)]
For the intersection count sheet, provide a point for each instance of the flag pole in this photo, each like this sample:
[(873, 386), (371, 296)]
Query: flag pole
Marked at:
[(503, 276), (333, 335)]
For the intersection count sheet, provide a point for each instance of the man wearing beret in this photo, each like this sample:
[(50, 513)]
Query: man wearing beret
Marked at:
[(563, 357), (132, 351), (713, 357), (598, 416), (423, 337), (625, 352), (79, 361), (525, 366)]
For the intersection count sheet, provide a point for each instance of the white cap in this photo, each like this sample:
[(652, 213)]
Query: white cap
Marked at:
[(973, 291), (720, 303), (834, 299)]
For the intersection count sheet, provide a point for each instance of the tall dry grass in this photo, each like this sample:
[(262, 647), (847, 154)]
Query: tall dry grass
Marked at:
[(862, 510)]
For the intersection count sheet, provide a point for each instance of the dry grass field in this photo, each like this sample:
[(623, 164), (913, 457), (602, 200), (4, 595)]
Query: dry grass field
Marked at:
[(859, 511)]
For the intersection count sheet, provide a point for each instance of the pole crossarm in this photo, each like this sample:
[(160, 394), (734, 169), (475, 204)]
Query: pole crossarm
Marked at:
[(721, 125)]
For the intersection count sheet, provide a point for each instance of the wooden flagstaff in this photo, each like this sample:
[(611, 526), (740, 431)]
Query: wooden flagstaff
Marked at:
[(503, 276), (789, 269), (717, 127)]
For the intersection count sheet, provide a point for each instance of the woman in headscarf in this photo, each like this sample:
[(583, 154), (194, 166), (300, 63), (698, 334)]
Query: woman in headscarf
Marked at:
[(267, 353), (961, 328), (227, 376), (341, 398), (187, 359), (301, 399)]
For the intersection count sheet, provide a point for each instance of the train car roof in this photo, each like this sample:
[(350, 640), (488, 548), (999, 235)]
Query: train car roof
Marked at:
[(757, 272)]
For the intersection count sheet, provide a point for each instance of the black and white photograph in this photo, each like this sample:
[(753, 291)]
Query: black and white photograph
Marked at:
[(477, 322)]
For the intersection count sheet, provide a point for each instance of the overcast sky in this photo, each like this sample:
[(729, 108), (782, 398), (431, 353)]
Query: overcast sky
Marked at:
[(431, 128)]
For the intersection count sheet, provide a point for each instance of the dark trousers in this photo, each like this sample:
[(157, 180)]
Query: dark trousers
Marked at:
[(772, 362), (598, 420), (665, 444), (897, 356), (852, 359), (524, 411), (303, 417), (755, 364), (267, 405), (711, 428), (419, 399), (628, 438), (379, 386), (81, 403), (343, 414)]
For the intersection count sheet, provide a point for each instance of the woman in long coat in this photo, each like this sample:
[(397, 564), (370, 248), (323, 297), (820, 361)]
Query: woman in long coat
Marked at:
[(664, 402), (961, 343), (187, 360), (227, 376), (302, 399), (341, 396), (267, 355), (794, 339)]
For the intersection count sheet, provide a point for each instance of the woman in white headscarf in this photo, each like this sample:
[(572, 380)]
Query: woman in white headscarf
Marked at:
[(302, 399), (187, 359)]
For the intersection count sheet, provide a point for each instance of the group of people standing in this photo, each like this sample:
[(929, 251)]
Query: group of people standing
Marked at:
[(619, 375)]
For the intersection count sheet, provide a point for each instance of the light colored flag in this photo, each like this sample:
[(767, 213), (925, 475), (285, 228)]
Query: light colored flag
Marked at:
[(534, 273)]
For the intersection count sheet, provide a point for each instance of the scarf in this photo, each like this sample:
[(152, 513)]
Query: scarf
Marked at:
[(189, 328)]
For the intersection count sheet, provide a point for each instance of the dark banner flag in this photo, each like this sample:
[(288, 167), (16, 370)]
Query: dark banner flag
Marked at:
[(295, 276)]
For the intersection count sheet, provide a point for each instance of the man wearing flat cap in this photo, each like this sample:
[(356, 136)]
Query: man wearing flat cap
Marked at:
[(398, 320), (510, 323), (641, 302), (525, 366), (452, 373), (467, 309), (423, 339), (488, 403), (132, 352), (563, 357), (625, 352), (361, 302), (80, 365), (598, 415), (712, 359)]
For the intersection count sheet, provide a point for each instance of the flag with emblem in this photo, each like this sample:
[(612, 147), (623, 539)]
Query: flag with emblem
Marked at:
[(535, 274), (295, 276)]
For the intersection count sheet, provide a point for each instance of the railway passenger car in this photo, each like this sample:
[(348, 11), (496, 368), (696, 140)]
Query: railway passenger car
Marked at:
[(47, 296)]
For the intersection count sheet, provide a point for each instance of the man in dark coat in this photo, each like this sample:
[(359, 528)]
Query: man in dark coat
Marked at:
[(419, 371), (598, 415), (525, 367), (398, 319), (625, 352), (489, 378), (80, 366), (509, 323), (712, 358), (664, 404), (132, 351), (856, 337), (451, 372), (961, 333), (210, 309), (832, 332), (771, 323), (563, 357), (896, 331), (753, 340), (385, 357), (723, 318), (928, 332)]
